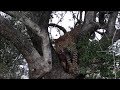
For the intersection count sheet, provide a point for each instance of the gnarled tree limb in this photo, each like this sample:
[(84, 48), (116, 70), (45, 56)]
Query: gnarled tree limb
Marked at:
[(41, 32)]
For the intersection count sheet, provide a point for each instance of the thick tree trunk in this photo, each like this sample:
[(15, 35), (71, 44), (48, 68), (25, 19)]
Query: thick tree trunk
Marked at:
[(38, 65), (57, 71)]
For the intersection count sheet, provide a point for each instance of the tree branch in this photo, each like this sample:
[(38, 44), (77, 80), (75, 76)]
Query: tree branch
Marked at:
[(111, 23), (41, 32), (34, 60), (90, 25), (21, 16)]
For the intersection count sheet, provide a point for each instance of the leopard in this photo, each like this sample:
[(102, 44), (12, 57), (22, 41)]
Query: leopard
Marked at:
[(66, 49)]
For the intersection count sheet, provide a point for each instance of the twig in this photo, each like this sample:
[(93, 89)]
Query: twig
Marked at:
[(102, 51)]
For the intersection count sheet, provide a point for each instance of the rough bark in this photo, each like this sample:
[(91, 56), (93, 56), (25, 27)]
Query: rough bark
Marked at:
[(57, 71), (111, 24), (38, 65)]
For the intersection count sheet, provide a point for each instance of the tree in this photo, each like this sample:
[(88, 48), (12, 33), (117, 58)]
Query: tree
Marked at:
[(36, 47)]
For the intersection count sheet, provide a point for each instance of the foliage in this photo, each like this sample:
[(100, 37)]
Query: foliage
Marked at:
[(10, 59), (95, 59)]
